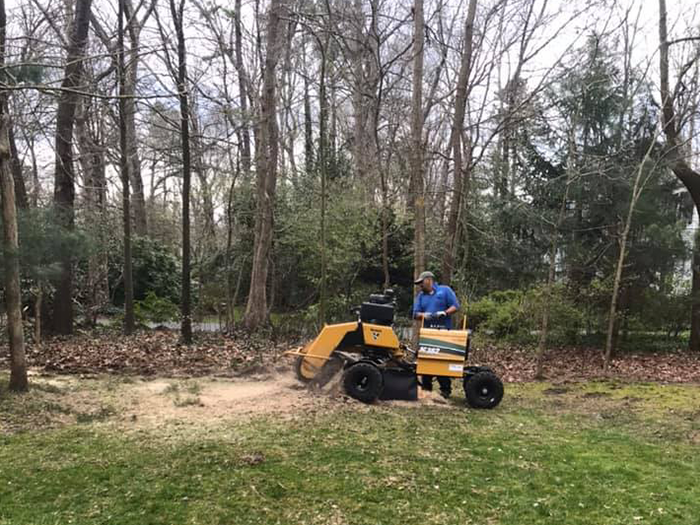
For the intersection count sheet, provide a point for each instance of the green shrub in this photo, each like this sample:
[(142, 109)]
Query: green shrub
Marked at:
[(155, 269), (155, 309), (516, 315)]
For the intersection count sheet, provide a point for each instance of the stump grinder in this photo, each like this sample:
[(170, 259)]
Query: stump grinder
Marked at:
[(375, 365)]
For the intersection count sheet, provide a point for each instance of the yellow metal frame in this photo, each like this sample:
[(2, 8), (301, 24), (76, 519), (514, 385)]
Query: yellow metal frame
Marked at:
[(318, 351)]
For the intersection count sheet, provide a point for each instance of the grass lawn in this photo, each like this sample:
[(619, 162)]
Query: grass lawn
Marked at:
[(585, 453)]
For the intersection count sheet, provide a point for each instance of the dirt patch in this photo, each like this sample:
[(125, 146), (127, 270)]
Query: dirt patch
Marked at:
[(217, 400), (142, 403)]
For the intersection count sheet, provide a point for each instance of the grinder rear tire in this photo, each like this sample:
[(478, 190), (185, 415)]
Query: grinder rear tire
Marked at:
[(483, 390), (364, 382)]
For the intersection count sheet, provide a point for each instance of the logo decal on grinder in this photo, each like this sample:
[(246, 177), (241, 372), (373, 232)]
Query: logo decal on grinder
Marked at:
[(429, 349), (375, 334)]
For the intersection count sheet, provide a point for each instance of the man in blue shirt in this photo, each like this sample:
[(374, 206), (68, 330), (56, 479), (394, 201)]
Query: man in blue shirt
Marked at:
[(434, 305)]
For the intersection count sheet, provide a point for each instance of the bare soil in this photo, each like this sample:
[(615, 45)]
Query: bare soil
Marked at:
[(144, 403)]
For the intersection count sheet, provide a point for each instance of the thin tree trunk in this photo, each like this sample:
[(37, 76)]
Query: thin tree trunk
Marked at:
[(308, 130), (450, 252), (230, 312), (38, 305), (177, 13), (612, 316), (124, 166), (13, 294), (323, 168), (385, 230), (417, 181), (242, 91), (256, 312), (64, 178), (130, 79), (236, 293)]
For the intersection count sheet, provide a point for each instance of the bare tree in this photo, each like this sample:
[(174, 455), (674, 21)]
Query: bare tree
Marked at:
[(134, 27), (456, 135), (417, 181), (124, 167), (64, 178), (177, 13), (256, 312)]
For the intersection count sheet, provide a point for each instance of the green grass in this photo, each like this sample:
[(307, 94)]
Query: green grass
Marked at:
[(590, 453)]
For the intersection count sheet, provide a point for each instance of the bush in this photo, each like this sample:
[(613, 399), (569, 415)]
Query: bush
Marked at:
[(668, 313), (155, 269), (155, 309), (516, 315)]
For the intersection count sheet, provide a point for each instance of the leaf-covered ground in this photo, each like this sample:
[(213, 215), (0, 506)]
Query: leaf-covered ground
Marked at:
[(154, 352), (590, 453), (515, 363), (160, 353)]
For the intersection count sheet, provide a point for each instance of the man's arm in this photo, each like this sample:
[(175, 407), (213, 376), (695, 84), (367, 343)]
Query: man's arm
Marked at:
[(418, 312), (452, 302)]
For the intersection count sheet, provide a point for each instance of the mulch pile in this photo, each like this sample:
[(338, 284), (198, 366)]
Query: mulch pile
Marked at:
[(160, 352)]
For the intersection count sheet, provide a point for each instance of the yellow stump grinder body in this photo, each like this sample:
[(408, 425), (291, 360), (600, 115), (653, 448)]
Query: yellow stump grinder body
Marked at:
[(376, 365)]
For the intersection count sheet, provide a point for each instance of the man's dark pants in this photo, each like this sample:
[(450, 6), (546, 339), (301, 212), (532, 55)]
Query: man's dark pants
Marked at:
[(444, 382)]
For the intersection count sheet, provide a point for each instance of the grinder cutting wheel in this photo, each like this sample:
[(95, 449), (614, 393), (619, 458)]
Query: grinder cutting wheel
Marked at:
[(376, 366)]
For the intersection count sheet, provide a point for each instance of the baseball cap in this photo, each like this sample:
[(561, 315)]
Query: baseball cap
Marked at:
[(424, 275)]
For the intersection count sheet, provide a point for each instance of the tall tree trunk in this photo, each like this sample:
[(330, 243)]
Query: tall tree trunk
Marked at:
[(177, 13), (129, 79), (417, 181), (230, 303), (680, 167), (13, 294), (256, 312), (456, 133), (308, 130), (323, 168), (359, 92), (385, 229), (243, 92), (89, 132), (124, 168), (64, 178)]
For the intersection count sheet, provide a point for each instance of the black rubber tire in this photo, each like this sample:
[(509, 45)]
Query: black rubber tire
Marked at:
[(364, 382), (483, 390)]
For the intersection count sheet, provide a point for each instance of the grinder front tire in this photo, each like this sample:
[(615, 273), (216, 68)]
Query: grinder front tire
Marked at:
[(483, 390), (364, 382), (297, 370)]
